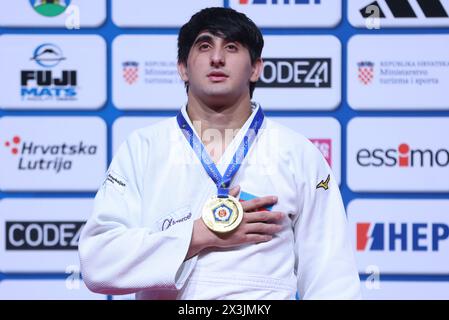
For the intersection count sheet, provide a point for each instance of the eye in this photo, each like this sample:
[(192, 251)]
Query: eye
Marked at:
[(204, 46), (232, 47)]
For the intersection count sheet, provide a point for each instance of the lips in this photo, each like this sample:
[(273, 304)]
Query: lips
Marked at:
[(217, 76)]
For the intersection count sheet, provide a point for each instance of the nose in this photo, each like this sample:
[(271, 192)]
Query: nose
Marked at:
[(217, 58)]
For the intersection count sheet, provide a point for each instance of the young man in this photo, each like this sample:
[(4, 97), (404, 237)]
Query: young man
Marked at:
[(219, 202)]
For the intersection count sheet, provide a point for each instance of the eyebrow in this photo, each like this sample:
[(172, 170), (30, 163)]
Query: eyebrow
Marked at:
[(208, 38), (203, 38)]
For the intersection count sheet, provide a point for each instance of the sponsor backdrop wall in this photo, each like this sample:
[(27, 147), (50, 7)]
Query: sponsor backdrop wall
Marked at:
[(366, 81)]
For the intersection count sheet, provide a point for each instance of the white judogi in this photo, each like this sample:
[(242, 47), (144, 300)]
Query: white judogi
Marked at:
[(141, 226)]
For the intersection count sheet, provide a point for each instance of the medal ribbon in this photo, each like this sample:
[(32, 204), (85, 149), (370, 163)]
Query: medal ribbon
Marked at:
[(222, 182)]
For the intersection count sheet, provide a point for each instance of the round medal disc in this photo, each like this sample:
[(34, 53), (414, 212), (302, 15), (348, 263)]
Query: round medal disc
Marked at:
[(222, 214)]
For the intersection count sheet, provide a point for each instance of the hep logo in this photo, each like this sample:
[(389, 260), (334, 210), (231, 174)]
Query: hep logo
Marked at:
[(401, 236), (14, 145), (364, 236)]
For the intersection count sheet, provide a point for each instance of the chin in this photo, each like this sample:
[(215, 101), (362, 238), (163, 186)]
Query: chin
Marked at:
[(218, 99), (217, 93)]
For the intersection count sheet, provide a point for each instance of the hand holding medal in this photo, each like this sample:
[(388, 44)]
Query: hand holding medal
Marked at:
[(258, 225)]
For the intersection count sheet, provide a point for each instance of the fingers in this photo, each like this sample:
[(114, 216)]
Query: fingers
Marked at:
[(257, 203), (234, 191), (257, 238), (263, 216), (262, 228), (253, 204)]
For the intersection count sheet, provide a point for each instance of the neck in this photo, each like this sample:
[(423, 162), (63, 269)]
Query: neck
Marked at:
[(218, 117)]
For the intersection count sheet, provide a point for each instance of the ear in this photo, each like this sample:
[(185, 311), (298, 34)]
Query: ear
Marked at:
[(256, 70), (182, 70)]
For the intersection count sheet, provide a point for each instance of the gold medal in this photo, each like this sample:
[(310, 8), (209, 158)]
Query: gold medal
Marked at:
[(222, 214)]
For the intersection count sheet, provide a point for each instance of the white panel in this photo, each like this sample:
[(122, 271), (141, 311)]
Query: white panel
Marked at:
[(52, 71), (76, 14), (300, 73), (398, 154), (167, 13), (41, 235), (406, 290), (291, 13), (398, 72), (400, 236), (379, 16), (144, 73), (52, 153), (46, 290)]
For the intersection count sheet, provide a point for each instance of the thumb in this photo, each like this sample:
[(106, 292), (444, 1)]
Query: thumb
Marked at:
[(234, 191)]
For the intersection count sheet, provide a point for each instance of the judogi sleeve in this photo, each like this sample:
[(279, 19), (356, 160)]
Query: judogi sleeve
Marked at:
[(117, 254), (325, 263)]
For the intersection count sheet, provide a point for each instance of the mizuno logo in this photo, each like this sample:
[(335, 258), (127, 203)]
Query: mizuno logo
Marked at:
[(324, 184)]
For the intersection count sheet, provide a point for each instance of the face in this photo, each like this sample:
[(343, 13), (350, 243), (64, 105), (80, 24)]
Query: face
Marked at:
[(218, 71)]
